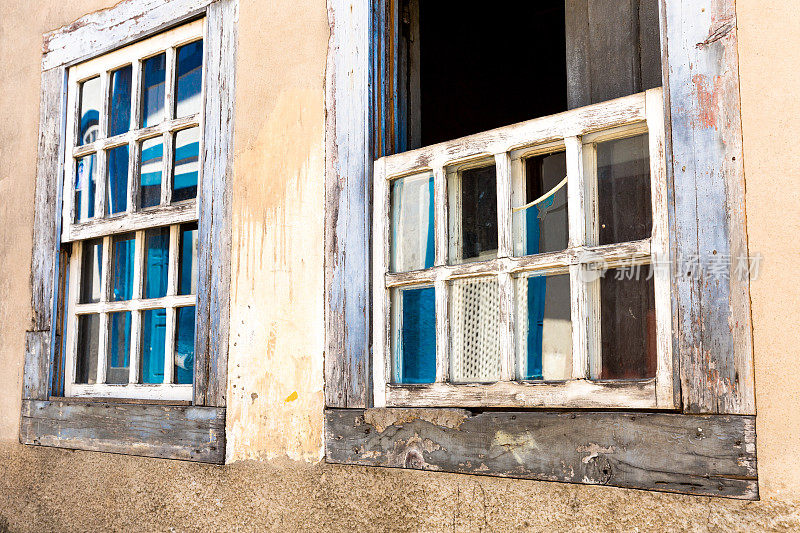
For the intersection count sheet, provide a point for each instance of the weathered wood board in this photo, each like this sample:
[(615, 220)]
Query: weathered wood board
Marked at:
[(170, 432), (706, 455)]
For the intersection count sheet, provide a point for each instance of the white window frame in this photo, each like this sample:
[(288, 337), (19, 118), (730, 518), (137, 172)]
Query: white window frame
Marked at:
[(576, 131), (134, 219)]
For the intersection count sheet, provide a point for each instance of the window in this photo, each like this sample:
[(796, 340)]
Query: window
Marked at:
[(525, 266), (133, 146)]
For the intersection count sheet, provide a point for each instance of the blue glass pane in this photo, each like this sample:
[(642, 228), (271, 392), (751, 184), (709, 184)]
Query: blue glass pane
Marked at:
[(119, 115), (117, 186), (189, 79), (184, 345), (186, 164), (187, 274), (153, 90), (154, 327), (85, 187), (151, 165), (417, 357), (91, 270), (156, 262), (119, 347), (88, 342), (90, 111), (412, 233), (122, 269)]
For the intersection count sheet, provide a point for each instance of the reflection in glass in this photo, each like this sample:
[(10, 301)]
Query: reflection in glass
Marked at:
[(88, 340), (184, 346), (122, 269), (474, 330), (156, 262), (542, 227), (151, 165), (412, 230), (473, 215), (628, 324), (623, 190), (187, 264), (415, 335), (154, 327), (91, 102), (91, 270), (117, 185), (119, 113), (119, 347), (85, 187), (186, 164), (153, 90), (544, 327), (189, 81)]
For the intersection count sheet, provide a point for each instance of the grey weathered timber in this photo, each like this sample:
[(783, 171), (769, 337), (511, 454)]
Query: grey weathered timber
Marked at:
[(108, 29), (170, 432), (37, 365), (214, 227), (613, 49), (347, 204), (705, 455), (713, 322)]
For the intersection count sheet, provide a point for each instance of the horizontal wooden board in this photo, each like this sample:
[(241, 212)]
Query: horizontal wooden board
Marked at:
[(693, 454), (170, 432)]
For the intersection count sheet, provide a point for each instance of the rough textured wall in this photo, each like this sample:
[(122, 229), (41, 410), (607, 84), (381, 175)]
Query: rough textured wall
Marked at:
[(277, 340)]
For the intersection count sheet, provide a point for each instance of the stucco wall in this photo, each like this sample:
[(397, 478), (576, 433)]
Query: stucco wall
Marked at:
[(274, 478)]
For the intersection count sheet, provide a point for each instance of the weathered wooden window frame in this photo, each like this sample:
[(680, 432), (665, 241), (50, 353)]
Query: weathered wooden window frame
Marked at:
[(707, 445), (191, 430), (576, 132)]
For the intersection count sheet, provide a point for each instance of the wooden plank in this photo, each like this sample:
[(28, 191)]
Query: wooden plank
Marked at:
[(170, 432), (707, 219), (704, 455), (108, 29), (37, 365), (132, 221), (347, 205), (214, 229)]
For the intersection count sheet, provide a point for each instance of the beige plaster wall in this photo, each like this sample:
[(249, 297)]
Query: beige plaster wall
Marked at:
[(274, 479)]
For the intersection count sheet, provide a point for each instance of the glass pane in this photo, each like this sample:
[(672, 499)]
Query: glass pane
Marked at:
[(412, 230), (88, 341), (153, 90), (119, 118), (154, 327), (186, 164), (544, 327), (156, 262), (474, 330), (188, 91), (85, 187), (122, 274), (151, 165), (184, 346), (542, 227), (91, 102), (415, 335), (473, 215), (628, 324), (187, 273), (119, 347), (117, 185), (623, 190), (91, 269)]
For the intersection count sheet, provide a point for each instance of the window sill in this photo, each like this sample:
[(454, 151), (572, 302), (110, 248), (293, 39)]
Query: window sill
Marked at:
[(167, 431)]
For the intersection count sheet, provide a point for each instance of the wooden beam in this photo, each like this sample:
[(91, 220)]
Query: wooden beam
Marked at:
[(707, 219), (169, 432), (347, 204), (704, 455)]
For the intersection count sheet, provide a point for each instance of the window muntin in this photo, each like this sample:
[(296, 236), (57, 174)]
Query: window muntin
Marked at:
[(523, 316), (132, 218)]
